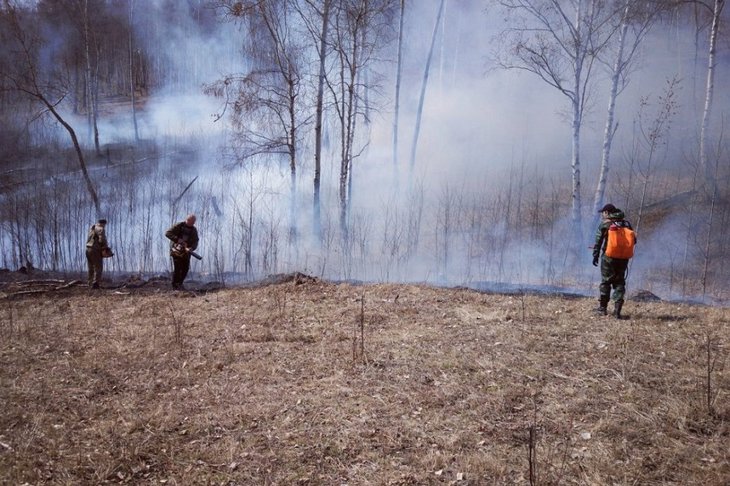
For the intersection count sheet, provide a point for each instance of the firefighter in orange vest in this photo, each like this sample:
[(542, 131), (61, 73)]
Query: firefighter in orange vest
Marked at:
[(613, 270)]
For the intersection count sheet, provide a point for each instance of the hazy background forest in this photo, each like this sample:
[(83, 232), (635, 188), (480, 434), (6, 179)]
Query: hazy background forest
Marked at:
[(456, 142)]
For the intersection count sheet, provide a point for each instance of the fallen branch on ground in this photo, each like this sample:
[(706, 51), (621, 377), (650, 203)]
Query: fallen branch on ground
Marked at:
[(38, 291)]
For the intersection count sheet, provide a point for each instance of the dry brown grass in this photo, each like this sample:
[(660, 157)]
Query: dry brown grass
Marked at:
[(262, 386)]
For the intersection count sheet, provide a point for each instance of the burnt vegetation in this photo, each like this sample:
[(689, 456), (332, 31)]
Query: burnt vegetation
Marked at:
[(492, 371), (101, 68)]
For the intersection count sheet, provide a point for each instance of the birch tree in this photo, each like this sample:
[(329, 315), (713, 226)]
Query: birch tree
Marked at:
[(560, 41), (349, 22), (709, 94), (635, 21), (266, 100), (319, 117), (319, 10), (359, 30)]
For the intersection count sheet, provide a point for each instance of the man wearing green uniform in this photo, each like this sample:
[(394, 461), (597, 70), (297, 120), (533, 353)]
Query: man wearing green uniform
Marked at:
[(613, 270), (96, 244), (183, 238)]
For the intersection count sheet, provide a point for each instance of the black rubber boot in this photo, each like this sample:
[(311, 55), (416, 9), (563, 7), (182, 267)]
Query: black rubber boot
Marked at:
[(602, 304), (617, 308)]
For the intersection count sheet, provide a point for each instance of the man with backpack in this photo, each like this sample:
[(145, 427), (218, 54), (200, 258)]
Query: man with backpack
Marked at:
[(615, 240)]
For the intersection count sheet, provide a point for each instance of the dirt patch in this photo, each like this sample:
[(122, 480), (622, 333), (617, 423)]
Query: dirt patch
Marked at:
[(301, 381), (23, 283)]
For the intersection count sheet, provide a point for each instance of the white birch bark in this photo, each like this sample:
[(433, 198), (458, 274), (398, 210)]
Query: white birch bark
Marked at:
[(625, 52), (560, 43), (348, 78), (577, 105), (317, 218), (610, 128), (709, 92)]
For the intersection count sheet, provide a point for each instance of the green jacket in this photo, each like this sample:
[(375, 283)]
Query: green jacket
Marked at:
[(601, 237), (181, 231)]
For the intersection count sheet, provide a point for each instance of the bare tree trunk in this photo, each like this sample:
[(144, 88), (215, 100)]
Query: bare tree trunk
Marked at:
[(696, 57), (87, 72), (689, 219), (90, 95), (577, 104), (575, 165), (713, 202), (441, 48), (444, 228), (419, 113), (131, 70), (610, 129), (359, 72), (346, 163), (317, 219), (79, 154), (709, 91), (348, 112), (624, 55), (77, 87), (287, 70), (398, 75), (95, 103), (29, 86), (292, 165), (364, 73), (343, 151), (248, 266)]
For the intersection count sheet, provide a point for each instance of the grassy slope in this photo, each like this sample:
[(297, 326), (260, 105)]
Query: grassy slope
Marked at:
[(263, 386)]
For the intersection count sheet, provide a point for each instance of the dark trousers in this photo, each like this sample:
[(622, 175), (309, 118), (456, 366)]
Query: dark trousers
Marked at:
[(613, 275), (180, 266), (96, 266)]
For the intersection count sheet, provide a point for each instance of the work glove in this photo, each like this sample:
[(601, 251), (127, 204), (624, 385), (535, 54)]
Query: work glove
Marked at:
[(595, 261)]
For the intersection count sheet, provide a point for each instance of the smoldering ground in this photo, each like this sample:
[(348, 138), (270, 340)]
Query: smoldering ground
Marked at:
[(487, 198)]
